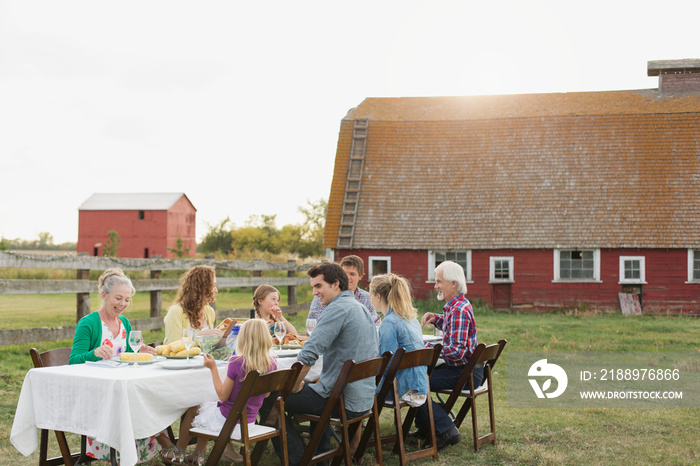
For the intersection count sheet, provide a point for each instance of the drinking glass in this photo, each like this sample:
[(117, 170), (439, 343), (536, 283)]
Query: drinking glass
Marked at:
[(310, 325), (188, 340), (136, 341), (207, 342), (280, 331)]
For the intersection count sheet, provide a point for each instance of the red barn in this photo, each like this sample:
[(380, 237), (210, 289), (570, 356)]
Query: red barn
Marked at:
[(147, 223), (548, 201)]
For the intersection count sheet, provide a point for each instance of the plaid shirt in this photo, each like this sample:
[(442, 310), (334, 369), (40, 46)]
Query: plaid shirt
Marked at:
[(458, 331), (361, 296)]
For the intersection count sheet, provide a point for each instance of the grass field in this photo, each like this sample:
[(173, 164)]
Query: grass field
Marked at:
[(525, 436)]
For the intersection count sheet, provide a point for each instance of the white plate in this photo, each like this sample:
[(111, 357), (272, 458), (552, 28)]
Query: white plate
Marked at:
[(178, 365), (141, 363), (432, 338), (285, 353)]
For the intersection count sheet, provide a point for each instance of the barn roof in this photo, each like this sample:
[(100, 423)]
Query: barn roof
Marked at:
[(131, 201), (587, 169)]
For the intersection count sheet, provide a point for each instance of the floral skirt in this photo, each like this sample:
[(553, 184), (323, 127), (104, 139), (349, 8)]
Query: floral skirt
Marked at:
[(147, 449)]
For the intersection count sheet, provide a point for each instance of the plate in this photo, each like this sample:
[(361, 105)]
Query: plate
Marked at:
[(141, 363), (286, 353), (179, 365), (432, 338), (298, 347), (183, 357)]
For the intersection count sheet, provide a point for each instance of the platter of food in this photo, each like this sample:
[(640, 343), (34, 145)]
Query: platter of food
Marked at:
[(192, 356), (143, 358), (285, 353)]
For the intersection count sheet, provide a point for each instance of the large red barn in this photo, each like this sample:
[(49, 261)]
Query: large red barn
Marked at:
[(546, 200), (147, 223)]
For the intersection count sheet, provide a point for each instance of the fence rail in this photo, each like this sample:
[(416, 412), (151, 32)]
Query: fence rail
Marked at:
[(82, 286)]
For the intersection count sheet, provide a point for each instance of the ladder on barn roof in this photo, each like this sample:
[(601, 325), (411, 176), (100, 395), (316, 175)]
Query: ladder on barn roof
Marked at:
[(352, 183)]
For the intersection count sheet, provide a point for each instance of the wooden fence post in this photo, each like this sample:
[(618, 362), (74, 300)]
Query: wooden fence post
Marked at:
[(156, 297), (83, 299), (292, 289)]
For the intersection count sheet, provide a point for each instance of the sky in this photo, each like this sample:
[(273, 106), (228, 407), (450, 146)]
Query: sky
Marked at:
[(239, 104)]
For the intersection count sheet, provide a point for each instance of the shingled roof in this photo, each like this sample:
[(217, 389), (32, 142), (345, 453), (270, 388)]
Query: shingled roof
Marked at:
[(590, 169)]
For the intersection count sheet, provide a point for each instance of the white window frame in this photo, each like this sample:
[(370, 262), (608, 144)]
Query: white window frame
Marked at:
[(691, 262), (596, 267), (431, 263), (381, 258), (492, 269), (642, 270)]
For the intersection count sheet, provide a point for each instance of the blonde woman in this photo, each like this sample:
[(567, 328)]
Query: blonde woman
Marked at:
[(391, 296), (266, 301), (103, 334), (191, 308), (252, 353)]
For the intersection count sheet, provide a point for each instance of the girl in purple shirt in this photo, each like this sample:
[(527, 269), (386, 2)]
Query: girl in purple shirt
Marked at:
[(252, 353)]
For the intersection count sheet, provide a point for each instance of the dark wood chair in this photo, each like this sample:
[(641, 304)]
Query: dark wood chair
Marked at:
[(281, 381), (351, 372), (486, 356), (60, 357), (55, 357), (403, 360)]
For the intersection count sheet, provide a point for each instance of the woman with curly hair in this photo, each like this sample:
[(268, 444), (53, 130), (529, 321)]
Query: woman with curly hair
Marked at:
[(191, 308)]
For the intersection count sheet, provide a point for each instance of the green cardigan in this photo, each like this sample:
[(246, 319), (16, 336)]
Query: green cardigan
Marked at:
[(88, 337)]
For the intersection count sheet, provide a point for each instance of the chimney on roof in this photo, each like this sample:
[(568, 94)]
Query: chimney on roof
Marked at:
[(676, 75)]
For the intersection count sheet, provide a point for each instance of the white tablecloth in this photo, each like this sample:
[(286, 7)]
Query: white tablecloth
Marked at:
[(114, 405)]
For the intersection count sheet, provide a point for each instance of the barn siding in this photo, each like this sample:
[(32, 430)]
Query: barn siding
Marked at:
[(666, 289)]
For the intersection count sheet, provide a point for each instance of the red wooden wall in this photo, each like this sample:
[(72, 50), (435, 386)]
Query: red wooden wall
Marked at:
[(533, 288)]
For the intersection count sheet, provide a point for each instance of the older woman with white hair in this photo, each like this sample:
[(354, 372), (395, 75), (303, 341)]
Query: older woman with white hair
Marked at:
[(458, 344)]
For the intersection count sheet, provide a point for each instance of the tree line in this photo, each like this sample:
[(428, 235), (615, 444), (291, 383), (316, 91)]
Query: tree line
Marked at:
[(260, 233)]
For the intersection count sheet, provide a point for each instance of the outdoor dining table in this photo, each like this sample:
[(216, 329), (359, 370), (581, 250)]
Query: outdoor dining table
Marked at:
[(115, 405)]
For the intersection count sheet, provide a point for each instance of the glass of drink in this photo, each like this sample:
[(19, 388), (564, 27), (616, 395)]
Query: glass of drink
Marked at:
[(310, 325), (280, 330), (188, 339), (136, 341)]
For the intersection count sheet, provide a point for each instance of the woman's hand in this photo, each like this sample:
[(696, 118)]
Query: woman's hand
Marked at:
[(209, 361), (104, 352), (147, 349)]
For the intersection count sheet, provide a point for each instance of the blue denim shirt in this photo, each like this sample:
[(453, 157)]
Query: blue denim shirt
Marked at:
[(396, 332), (345, 330)]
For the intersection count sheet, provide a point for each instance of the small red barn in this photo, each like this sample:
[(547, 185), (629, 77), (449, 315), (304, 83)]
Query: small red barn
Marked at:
[(546, 200), (148, 223)]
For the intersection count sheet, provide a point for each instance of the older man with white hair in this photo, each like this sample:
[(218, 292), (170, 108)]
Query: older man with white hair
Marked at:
[(458, 344)]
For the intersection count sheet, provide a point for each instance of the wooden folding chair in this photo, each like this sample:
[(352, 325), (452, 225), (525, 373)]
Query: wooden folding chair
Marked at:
[(351, 372), (486, 355), (403, 360), (54, 357), (281, 381)]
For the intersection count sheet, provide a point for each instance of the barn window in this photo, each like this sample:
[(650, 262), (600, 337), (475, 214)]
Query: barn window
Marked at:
[(142, 214), (379, 265), (577, 265), (693, 265), (463, 258), (632, 269), (500, 270)]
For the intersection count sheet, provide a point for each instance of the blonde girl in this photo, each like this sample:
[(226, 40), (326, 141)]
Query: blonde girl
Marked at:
[(266, 300), (391, 296), (252, 353)]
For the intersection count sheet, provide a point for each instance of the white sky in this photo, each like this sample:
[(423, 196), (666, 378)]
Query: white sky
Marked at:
[(238, 104)]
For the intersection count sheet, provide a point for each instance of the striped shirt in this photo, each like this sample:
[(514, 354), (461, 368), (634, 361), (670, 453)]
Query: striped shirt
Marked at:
[(458, 331)]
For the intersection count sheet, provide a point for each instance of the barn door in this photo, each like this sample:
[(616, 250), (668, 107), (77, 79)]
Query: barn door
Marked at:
[(502, 295)]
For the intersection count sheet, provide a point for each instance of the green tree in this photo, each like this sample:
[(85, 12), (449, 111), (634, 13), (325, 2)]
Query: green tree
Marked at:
[(218, 239), (112, 245), (45, 241), (178, 250), (4, 244)]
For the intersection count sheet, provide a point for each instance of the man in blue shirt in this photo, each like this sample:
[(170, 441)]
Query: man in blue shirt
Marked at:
[(346, 331)]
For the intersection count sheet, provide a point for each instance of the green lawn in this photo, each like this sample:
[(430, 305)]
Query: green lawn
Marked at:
[(525, 436)]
